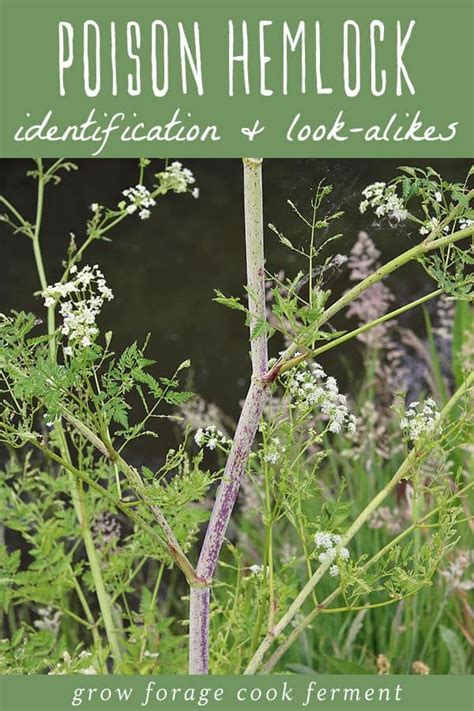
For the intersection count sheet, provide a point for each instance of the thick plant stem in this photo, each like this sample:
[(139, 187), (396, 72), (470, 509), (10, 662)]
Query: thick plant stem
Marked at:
[(199, 631), (253, 197), (402, 472), (77, 493), (248, 421), (232, 477)]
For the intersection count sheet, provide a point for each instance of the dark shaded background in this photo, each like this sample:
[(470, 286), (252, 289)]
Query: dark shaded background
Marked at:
[(163, 271)]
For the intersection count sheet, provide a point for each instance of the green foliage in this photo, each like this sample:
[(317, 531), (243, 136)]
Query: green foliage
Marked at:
[(85, 534), (130, 374), (231, 302), (462, 331), (452, 271), (456, 651), (344, 666)]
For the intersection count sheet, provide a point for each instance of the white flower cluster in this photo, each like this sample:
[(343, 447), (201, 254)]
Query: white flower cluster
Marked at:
[(384, 201), (210, 437), (429, 226), (433, 223), (82, 300), (326, 543), (339, 260), (69, 664), (140, 200), (308, 390), (178, 179), (49, 620), (420, 420), (274, 452), (465, 222)]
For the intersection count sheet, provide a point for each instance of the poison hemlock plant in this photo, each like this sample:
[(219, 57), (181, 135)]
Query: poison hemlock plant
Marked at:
[(97, 553)]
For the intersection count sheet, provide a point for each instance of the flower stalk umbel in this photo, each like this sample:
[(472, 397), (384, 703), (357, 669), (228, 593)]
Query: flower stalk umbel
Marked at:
[(248, 422)]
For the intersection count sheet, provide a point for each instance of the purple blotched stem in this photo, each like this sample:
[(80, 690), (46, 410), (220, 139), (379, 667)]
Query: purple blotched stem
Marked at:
[(248, 422), (199, 630)]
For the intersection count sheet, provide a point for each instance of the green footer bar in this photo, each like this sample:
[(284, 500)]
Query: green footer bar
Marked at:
[(174, 693)]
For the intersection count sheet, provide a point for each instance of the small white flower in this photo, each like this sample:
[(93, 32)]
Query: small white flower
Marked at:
[(329, 554), (49, 620), (88, 670), (384, 201), (420, 421), (438, 196), (329, 541), (323, 540), (308, 390), (177, 179), (95, 207), (80, 302), (339, 260), (140, 200), (68, 351), (256, 569), (199, 437), (275, 451), (211, 437), (333, 571), (429, 226)]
